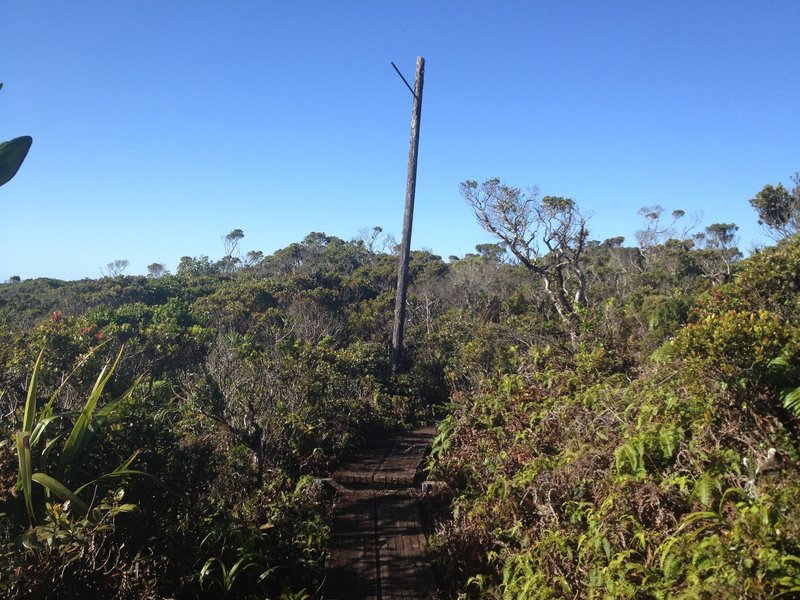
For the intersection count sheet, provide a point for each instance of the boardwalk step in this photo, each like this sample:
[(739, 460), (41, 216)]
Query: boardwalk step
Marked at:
[(378, 546)]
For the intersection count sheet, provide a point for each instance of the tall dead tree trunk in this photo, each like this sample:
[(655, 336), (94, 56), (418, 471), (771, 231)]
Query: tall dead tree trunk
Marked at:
[(408, 216)]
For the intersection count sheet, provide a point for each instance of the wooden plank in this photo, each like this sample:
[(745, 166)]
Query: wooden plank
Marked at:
[(351, 570), (389, 462), (404, 569), (377, 545)]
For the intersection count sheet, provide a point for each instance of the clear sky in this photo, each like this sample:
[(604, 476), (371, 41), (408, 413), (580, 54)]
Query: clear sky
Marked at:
[(159, 126)]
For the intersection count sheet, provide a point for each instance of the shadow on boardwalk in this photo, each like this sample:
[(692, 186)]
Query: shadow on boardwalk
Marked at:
[(377, 545)]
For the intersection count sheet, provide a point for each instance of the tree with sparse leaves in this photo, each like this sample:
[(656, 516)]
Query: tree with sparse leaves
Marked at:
[(716, 251), (116, 267), (547, 235), (659, 230)]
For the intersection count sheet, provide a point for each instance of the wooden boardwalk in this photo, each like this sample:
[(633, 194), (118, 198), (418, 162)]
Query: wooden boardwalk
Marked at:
[(377, 544)]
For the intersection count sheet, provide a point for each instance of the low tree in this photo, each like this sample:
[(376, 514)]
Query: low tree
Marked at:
[(779, 209), (156, 270), (228, 263), (494, 253), (116, 267), (231, 241), (253, 257), (659, 230), (717, 251), (197, 265), (547, 235), (611, 267)]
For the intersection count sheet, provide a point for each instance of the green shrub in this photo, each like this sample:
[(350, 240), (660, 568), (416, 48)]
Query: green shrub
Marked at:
[(736, 346)]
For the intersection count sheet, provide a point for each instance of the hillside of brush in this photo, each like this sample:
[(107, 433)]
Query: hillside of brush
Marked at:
[(675, 474), (162, 434)]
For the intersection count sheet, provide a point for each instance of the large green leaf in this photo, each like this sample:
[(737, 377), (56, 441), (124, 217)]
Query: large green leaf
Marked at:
[(12, 154), (105, 415), (47, 411)]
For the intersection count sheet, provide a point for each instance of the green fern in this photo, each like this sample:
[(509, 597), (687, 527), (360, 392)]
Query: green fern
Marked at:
[(669, 437), (629, 457), (784, 374), (444, 438), (706, 487), (790, 399)]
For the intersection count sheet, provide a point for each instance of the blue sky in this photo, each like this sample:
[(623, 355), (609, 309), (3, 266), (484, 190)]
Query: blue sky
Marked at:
[(159, 126)]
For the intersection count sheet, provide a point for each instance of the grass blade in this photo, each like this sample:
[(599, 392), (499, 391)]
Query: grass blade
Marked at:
[(25, 469), (124, 471), (79, 436), (29, 416), (48, 448), (40, 427), (48, 408), (60, 490)]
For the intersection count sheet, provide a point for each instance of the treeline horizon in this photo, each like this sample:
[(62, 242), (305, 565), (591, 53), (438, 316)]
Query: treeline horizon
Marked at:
[(773, 205)]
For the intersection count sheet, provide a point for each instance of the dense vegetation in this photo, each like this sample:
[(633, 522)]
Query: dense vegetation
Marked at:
[(673, 476), (621, 422), (233, 389)]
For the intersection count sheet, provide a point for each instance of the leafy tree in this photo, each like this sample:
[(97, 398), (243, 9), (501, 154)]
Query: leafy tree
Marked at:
[(779, 209), (253, 257), (609, 267), (231, 241), (576, 476), (492, 252), (198, 265), (319, 255), (156, 270), (228, 263), (547, 235)]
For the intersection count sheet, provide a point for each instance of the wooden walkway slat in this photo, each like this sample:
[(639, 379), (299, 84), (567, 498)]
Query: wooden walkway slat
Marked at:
[(378, 546), (391, 462), (404, 570)]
